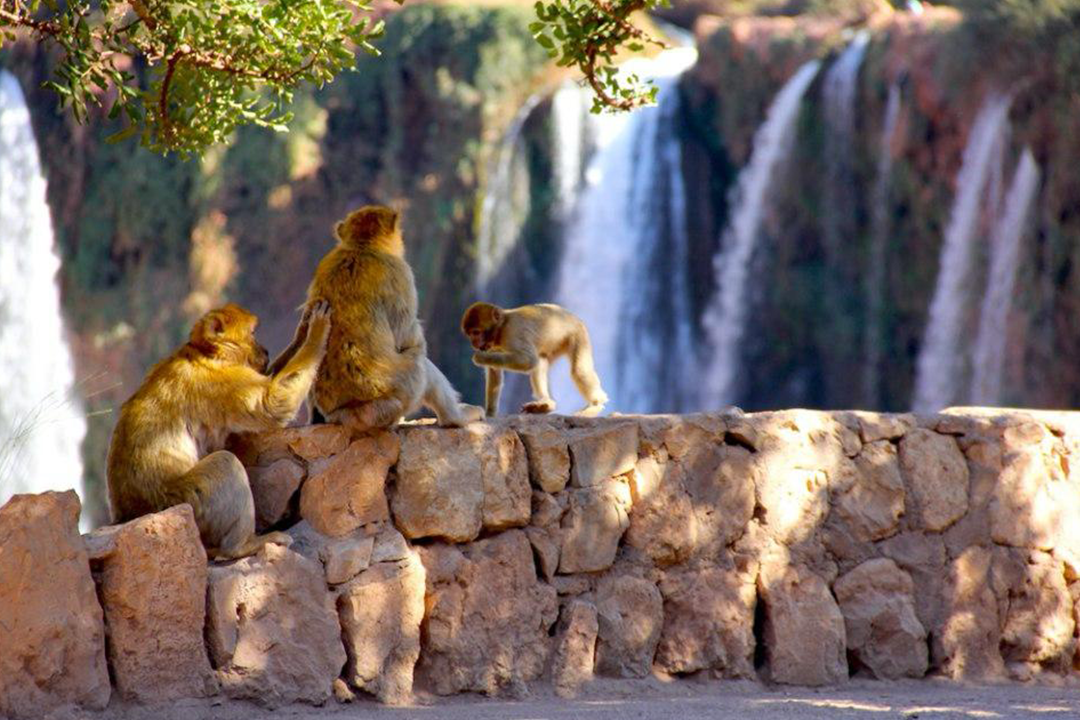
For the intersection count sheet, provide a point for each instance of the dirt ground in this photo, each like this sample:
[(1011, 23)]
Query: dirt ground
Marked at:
[(654, 699)]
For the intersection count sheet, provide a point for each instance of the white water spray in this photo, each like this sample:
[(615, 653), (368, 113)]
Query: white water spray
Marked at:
[(989, 358), (725, 317), (940, 363), (875, 273), (610, 224), (41, 421)]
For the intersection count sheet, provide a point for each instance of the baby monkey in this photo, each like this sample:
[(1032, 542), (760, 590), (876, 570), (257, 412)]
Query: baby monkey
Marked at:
[(528, 339)]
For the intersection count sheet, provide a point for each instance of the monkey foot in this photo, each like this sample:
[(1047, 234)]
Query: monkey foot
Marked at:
[(538, 407), (590, 411)]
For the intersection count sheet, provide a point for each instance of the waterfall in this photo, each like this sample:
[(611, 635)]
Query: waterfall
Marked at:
[(879, 235), (989, 357), (506, 201), (613, 226), (939, 363), (41, 421), (725, 317), (838, 95)]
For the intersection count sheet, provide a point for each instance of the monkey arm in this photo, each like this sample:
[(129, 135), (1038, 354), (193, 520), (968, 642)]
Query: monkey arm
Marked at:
[(288, 387), (492, 390), (522, 361), (287, 354)]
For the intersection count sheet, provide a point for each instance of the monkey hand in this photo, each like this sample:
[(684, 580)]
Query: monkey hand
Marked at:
[(477, 359), (318, 319), (538, 407)]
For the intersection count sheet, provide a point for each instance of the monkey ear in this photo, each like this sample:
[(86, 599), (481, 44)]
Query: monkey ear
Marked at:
[(339, 229), (496, 315)]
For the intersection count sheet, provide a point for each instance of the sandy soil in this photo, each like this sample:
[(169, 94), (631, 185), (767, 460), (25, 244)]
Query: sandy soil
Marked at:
[(654, 699)]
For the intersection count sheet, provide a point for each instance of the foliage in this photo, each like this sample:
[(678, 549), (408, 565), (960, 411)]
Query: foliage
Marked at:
[(185, 74)]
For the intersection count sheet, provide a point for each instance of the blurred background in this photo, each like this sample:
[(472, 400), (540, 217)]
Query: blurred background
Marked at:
[(834, 204)]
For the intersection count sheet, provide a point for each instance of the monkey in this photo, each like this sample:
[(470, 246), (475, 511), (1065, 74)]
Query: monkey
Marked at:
[(528, 339), (166, 447), (376, 369)]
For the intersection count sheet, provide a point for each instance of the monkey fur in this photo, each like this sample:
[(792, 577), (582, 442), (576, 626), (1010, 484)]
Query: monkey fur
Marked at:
[(528, 339), (376, 369), (166, 447)]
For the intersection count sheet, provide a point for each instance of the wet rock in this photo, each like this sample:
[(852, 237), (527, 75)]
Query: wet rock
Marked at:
[(52, 638), (272, 630)]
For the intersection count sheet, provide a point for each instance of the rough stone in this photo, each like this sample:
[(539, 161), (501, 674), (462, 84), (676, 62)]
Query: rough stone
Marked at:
[(1034, 504), (1036, 608), (505, 471), (152, 584), (548, 509), (805, 639), (884, 634), (390, 545), (872, 506), (309, 442), (880, 426), (630, 616), (663, 525), (921, 556), (344, 558), (717, 476), (708, 622), (545, 543), (601, 452), (381, 611), (488, 617), (594, 524), (970, 635), (575, 648), (272, 488), (348, 490), (52, 638), (936, 476), (272, 630), (548, 454)]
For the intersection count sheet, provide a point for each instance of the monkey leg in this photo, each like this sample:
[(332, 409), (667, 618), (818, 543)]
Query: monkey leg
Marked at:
[(538, 380), (587, 381), (225, 510), (441, 397)]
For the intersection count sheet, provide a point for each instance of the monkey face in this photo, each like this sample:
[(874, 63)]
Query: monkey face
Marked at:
[(228, 333), (481, 324)]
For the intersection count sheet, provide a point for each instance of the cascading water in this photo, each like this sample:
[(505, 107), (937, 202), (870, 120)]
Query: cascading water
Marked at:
[(940, 363), (989, 357), (725, 317), (506, 201), (41, 422), (613, 229), (879, 234), (838, 96)]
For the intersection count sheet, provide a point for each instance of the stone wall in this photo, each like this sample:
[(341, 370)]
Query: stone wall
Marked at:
[(794, 547)]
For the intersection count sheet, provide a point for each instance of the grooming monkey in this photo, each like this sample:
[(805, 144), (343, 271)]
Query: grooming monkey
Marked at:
[(165, 449), (376, 369), (528, 339)]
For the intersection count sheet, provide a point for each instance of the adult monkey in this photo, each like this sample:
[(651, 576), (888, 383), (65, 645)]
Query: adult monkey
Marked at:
[(376, 369), (165, 449), (527, 340)]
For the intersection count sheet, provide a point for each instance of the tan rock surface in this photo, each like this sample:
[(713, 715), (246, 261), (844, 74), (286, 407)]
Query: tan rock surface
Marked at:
[(970, 634), (272, 488), (272, 629), (309, 442), (347, 490), (594, 525), (804, 633), (381, 611), (575, 648), (439, 490), (603, 451), (936, 475), (630, 616), (52, 638), (152, 583), (663, 525), (548, 455), (872, 506), (505, 471)]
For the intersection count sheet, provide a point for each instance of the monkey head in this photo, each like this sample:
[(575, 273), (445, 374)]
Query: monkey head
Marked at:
[(482, 324), (228, 333), (371, 226)]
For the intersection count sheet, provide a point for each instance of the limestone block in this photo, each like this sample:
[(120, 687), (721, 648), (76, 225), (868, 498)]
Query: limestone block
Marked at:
[(883, 632), (390, 545), (548, 509), (663, 525), (347, 490), (1037, 610), (872, 506), (881, 426), (152, 584), (970, 635), (52, 638), (805, 639), (594, 524), (272, 629), (708, 622), (505, 471), (601, 452), (718, 477), (549, 455), (630, 617), (381, 611), (922, 556), (272, 488), (487, 622), (344, 558), (546, 544), (936, 476), (575, 648), (309, 442)]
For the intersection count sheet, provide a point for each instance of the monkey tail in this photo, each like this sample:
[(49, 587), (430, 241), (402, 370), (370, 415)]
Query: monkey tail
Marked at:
[(440, 396)]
